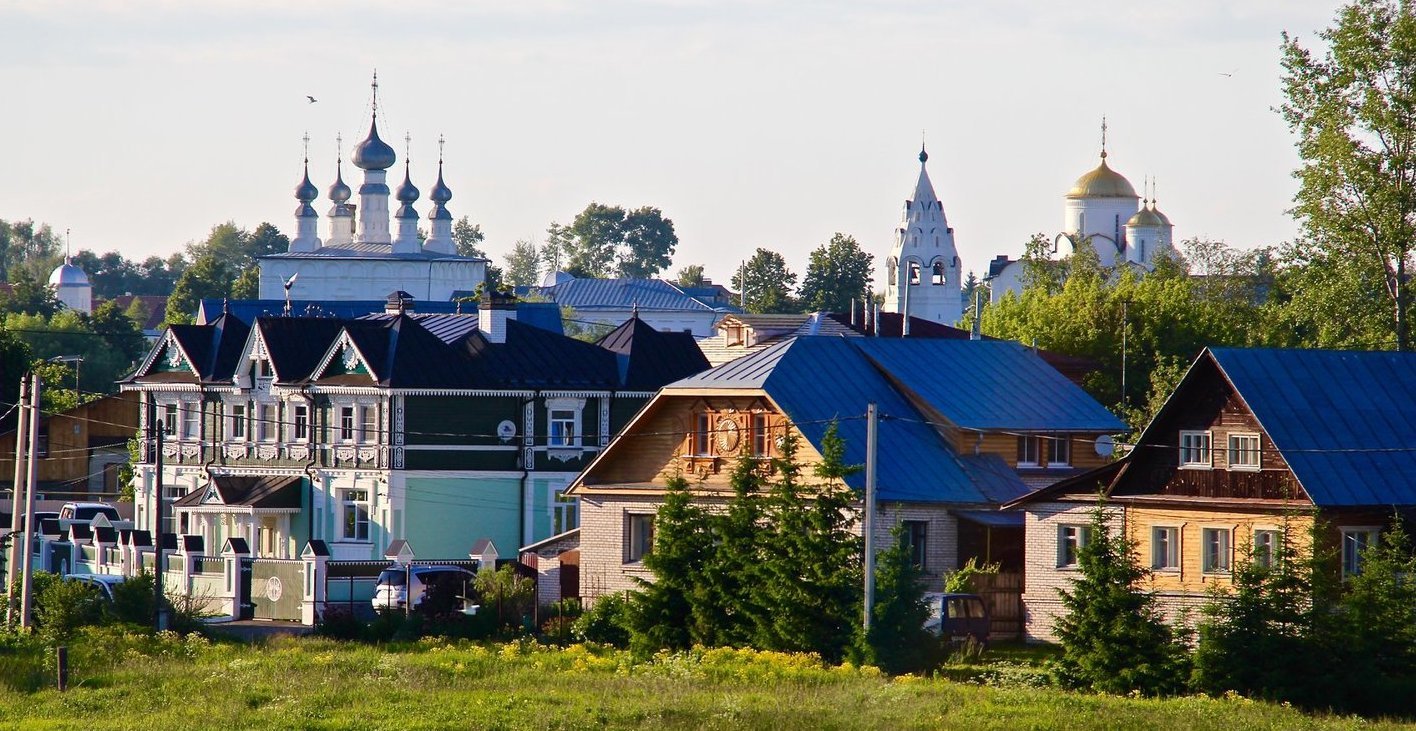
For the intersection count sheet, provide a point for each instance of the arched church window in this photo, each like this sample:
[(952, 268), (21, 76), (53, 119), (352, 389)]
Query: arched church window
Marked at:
[(892, 265), (938, 276), (914, 273)]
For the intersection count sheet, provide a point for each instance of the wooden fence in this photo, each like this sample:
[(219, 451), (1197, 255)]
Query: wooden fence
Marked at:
[(1003, 592)]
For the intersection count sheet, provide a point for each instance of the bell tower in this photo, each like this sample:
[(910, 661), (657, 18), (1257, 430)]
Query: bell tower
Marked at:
[(923, 274)]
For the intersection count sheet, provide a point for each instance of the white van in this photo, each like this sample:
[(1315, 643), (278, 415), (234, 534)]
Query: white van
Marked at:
[(392, 591)]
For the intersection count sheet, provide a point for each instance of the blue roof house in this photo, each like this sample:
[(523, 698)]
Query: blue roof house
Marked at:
[(965, 427)]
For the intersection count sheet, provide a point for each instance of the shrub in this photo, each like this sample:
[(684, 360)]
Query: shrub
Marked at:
[(133, 600), (338, 623), (507, 596), (897, 641), (606, 622), (62, 607)]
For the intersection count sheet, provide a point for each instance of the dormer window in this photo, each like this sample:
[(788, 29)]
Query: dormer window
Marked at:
[(1195, 450), (1244, 452)]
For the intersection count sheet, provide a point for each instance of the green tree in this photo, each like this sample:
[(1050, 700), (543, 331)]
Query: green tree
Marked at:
[(663, 608), (247, 285), (1379, 610), (605, 241), (1113, 637), (523, 265), (1351, 112), (690, 276), (467, 237), (208, 276), (838, 274), (647, 243), (766, 283), (29, 296), (555, 253), (726, 608), (897, 641), (265, 240)]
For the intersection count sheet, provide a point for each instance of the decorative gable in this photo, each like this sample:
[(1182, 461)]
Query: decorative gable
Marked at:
[(343, 359), (212, 496), (169, 358)]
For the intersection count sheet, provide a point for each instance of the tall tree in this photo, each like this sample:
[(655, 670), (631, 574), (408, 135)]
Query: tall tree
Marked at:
[(555, 253), (523, 265), (766, 283), (605, 241), (1352, 112), (838, 273), (663, 607), (647, 243), (467, 237), (594, 234)]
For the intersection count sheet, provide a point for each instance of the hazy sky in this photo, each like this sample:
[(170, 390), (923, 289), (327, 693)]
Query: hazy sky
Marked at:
[(139, 125)]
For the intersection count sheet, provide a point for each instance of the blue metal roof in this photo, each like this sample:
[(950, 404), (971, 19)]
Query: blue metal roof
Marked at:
[(989, 384), (544, 315), (1345, 421), (620, 294)]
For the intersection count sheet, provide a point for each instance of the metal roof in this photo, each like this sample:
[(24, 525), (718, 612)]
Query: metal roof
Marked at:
[(368, 251), (989, 384), (621, 294), (1345, 421)]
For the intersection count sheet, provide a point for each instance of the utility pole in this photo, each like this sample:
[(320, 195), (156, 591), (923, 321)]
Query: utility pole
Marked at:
[(27, 553), (871, 440), (1124, 303), (159, 618), (12, 558)]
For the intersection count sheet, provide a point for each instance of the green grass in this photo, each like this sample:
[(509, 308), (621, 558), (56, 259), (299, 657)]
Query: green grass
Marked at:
[(132, 682)]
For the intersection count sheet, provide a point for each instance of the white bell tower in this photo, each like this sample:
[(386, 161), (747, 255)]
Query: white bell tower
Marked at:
[(923, 274)]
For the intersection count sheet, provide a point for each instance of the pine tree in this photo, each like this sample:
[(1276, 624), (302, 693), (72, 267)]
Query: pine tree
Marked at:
[(726, 608), (1113, 637), (897, 641), (662, 608)]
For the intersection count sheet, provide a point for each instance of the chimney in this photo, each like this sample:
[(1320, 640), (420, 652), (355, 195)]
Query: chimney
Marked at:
[(495, 309), (398, 302), (976, 333)]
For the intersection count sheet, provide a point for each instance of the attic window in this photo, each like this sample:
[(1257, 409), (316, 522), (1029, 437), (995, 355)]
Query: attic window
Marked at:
[(1195, 450), (1244, 451), (733, 334)]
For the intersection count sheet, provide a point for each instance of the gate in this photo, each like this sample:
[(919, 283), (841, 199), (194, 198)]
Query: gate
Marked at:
[(1003, 592), (244, 608), (277, 588)]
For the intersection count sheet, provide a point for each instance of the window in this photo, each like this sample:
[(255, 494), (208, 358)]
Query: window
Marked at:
[(346, 423), (761, 440), (916, 535), (356, 514), (302, 423), (1354, 542), (369, 425), (169, 419), (1165, 548), (562, 428), (1265, 547), (1215, 544), (238, 421), (1243, 451), (267, 422), (914, 273), (171, 494), (1059, 450), (639, 536), (937, 277), (1070, 539), (1029, 450), (191, 419), (702, 435), (1195, 449), (565, 514)]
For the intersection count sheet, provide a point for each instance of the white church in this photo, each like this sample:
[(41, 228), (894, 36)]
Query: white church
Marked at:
[(362, 256), (923, 274)]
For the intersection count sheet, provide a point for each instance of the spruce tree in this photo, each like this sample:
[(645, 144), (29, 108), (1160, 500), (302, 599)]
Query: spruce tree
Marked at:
[(1380, 606), (1113, 637), (662, 608), (897, 641), (726, 607)]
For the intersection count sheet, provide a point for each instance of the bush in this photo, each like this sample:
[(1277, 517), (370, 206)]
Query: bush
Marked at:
[(62, 607), (606, 622), (133, 599), (338, 623)]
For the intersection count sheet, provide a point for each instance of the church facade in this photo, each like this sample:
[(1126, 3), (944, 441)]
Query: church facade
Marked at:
[(923, 274), (362, 255)]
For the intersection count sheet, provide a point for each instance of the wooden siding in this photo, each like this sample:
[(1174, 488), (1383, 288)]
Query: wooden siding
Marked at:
[(1189, 577), (1005, 446), (70, 436)]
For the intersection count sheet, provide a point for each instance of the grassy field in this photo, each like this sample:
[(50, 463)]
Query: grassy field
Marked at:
[(133, 682)]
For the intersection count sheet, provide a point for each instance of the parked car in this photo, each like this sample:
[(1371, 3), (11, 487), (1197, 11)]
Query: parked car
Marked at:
[(957, 617), (85, 512), (103, 582), (392, 591)]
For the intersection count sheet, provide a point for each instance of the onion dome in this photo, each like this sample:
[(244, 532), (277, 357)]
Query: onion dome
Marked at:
[(339, 192), (1145, 217), (1102, 182), (440, 192), (407, 192), (923, 156), (68, 274), (306, 191), (373, 153), (1164, 219)]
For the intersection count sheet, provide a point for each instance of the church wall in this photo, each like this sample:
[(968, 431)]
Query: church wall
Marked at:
[(362, 279)]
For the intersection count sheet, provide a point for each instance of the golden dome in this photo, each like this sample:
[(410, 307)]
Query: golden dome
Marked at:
[(1103, 182), (1145, 217)]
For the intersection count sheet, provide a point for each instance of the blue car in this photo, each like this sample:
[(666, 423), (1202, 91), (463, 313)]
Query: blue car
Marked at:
[(957, 617)]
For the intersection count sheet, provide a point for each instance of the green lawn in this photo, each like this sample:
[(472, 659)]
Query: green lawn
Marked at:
[(142, 683)]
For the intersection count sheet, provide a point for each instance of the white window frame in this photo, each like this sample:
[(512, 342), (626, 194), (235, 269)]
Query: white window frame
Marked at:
[(299, 423), (561, 428), (351, 500), (1216, 549), (171, 420), (576, 406), (1204, 454), (1029, 450), (565, 511), (638, 536), (1353, 535), (1071, 537), (190, 421), (368, 424), (267, 422), (1165, 548), (346, 428), (238, 421), (1270, 539), (1255, 451), (1059, 444)]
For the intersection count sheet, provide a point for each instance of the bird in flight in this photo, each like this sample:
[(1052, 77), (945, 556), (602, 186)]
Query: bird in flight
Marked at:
[(1229, 74), (312, 99)]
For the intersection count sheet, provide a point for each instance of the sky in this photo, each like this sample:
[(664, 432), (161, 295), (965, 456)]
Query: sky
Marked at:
[(750, 123)]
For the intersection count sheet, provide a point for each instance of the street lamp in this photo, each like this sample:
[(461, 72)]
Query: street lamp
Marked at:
[(77, 360)]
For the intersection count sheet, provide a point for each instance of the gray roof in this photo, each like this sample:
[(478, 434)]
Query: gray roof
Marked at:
[(621, 294), (368, 251)]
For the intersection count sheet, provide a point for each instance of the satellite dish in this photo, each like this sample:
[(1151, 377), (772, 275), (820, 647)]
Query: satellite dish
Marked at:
[(1105, 445), (506, 430)]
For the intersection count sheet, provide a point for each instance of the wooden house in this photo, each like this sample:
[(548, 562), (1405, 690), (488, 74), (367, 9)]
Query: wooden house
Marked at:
[(80, 450), (1251, 447), (437, 429), (965, 426)]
